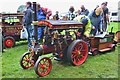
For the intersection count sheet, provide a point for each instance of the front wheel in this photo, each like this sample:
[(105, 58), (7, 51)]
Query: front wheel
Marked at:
[(26, 61), (43, 66), (77, 52)]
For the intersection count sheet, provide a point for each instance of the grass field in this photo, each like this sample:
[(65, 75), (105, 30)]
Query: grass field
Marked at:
[(100, 66), (115, 25)]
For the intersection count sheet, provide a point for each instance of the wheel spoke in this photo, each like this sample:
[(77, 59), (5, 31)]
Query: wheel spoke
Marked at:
[(43, 71), (39, 68), (23, 62), (83, 53), (83, 50), (25, 57), (74, 60), (80, 46), (40, 65), (73, 55), (74, 52), (47, 63), (28, 56), (27, 64)]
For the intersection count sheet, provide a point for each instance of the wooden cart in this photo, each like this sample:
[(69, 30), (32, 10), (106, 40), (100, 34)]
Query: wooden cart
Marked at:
[(98, 44)]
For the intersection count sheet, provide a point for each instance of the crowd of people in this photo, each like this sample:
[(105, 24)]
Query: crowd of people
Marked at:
[(94, 22)]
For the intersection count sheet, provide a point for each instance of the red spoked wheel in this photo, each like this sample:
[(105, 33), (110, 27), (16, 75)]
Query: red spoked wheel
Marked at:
[(26, 61), (77, 52), (9, 42), (43, 66)]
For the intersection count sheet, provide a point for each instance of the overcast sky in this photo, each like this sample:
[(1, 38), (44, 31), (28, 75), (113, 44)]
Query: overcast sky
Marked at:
[(57, 5)]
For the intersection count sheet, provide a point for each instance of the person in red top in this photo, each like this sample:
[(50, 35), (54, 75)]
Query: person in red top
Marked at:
[(47, 12), (42, 14)]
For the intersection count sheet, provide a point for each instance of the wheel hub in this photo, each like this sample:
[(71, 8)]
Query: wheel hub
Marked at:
[(9, 43), (27, 60), (43, 66), (77, 52)]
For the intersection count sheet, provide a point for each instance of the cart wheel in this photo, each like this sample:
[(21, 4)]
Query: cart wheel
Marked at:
[(43, 66), (95, 52), (77, 52), (9, 42), (26, 61)]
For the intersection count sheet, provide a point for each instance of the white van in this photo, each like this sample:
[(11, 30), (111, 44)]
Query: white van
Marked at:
[(114, 16)]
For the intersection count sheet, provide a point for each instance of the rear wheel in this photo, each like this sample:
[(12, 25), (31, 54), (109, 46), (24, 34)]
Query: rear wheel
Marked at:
[(77, 52), (26, 61), (9, 42), (43, 66)]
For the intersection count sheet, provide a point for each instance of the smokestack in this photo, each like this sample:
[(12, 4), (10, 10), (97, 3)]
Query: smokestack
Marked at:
[(35, 19)]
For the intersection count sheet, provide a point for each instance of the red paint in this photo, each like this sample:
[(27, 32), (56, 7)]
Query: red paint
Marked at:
[(9, 43), (44, 66), (80, 53), (45, 23)]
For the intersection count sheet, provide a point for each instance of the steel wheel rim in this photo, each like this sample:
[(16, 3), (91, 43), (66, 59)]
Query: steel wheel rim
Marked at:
[(27, 61), (9, 43), (79, 53), (44, 66)]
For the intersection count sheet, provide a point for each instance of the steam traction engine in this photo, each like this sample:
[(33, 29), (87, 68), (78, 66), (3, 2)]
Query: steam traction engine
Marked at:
[(61, 40)]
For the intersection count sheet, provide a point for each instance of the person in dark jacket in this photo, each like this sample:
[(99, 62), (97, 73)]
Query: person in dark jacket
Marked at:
[(71, 13), (57, 15), (27, 20), (105, 15), (84, 11)]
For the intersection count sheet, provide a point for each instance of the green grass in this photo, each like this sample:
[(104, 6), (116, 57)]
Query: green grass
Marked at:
[(115, 25), (0, 65), (100, 66)]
